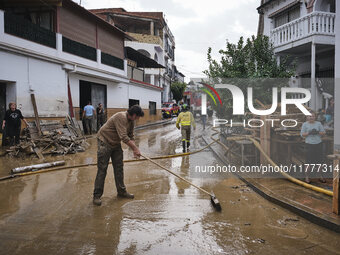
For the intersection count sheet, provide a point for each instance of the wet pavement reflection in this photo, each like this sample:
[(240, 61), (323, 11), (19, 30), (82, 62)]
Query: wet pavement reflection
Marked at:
[(52, 213)]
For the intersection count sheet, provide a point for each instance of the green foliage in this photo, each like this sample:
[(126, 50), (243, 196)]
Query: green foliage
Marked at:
[(177, 89), (248, 64)]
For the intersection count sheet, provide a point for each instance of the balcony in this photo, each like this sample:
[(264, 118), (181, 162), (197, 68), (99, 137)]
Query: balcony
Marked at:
[(146, 38), (18, 26), (314, 24), (14, 29)]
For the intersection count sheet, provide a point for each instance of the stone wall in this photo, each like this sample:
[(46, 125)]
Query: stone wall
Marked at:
[(145, 38)]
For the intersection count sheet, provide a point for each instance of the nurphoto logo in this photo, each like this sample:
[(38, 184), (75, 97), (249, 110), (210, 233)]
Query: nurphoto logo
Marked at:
[(239, 106)]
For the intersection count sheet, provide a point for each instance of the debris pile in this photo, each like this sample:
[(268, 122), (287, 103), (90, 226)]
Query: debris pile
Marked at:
[(50, 138)]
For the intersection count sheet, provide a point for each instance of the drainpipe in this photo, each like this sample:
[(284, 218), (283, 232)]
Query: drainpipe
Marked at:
[(70, 103)]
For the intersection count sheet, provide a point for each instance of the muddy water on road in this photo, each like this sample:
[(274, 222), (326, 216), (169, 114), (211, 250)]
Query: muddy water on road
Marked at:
[(53, 212)]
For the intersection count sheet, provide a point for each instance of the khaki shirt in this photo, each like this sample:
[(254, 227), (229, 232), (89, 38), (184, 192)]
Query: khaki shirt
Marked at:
[(118, 128)]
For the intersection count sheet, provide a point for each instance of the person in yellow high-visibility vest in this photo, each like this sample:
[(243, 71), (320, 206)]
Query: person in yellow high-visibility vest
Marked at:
[(186, 119)]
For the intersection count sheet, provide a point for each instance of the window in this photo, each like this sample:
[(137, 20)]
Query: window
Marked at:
[(287, 16), (152, 108), (133, 102)]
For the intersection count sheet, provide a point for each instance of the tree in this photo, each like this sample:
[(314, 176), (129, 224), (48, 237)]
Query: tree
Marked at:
[(177, 89), (248, 64)]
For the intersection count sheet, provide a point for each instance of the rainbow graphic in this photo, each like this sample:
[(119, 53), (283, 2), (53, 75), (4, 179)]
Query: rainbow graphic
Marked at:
[(205, 89)]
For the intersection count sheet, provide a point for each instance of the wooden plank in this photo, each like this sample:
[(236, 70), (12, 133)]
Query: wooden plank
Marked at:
[(37, 121), (38, 152)]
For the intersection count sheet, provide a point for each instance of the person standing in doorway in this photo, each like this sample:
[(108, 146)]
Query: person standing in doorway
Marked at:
[(12, 123), (120, 127), (88, 114), (100, 116)]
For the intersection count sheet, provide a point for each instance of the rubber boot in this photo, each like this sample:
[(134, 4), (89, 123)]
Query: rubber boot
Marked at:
[(188, 145), (183, 144)]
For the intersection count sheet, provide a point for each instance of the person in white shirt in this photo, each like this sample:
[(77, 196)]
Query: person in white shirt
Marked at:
[(88, 114)]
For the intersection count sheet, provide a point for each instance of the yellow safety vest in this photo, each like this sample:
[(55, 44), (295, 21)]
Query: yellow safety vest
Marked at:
[(185, 119)]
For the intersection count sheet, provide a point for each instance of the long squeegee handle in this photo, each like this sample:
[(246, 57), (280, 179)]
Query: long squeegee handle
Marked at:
[(178, 176)]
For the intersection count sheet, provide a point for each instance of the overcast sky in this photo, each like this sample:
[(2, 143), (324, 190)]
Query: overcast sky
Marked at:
[(196, 25)]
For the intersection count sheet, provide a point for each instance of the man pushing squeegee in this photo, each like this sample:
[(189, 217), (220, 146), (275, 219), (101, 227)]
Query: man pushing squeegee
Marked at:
[(120, 127)]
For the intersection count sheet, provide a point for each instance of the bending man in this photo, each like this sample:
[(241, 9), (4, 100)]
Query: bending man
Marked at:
[(120, 127)]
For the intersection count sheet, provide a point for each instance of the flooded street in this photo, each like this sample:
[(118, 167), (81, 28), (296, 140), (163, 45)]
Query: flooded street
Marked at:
[(52, 213)]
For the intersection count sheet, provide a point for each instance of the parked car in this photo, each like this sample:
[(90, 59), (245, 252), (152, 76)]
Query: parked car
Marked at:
[(169, 109)]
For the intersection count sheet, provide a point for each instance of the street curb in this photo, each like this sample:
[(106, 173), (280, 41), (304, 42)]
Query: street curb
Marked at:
[(154, 124), (306, 213)]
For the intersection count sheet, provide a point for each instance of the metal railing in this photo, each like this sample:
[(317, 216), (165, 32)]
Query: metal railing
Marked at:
[(20, 27), (79, 49), (315, 23), (113, 61)]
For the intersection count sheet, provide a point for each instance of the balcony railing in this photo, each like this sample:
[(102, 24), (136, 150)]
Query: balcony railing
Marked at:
[(15, 25), (79, 49), (18, 26), (113, 61), (316, 23)]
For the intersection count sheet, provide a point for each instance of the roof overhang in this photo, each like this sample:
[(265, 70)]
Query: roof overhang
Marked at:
[(285, 8), (259, 9), (141, 60), (53, 3), (24, 3), (181, 74)]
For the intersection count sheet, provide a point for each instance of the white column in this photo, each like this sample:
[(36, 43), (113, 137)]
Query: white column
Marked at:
[(2, 23), (152, 79), (59, 43), (152, 28), (313, 86), (204, 104), (337, 84), (99, 56)]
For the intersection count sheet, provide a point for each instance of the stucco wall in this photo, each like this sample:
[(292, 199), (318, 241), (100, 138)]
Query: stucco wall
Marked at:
[(47, 80)]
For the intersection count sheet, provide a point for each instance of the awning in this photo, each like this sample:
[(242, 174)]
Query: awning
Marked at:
[(141, 60)]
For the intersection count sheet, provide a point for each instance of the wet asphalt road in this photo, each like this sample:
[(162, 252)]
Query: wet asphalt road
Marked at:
[(52, 213)]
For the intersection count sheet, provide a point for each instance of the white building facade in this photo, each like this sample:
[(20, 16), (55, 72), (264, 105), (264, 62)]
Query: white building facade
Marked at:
[(305, 32), (153, 38), (42, 62)]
